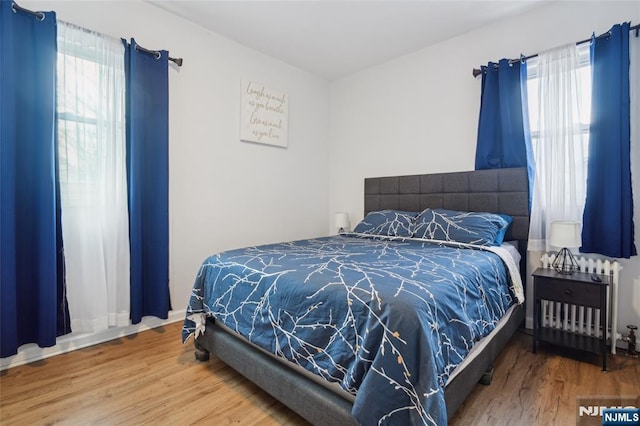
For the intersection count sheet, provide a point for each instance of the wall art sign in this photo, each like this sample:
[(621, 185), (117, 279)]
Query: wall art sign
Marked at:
[(264, 114)]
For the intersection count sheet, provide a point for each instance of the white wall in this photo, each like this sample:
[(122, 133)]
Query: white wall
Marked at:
[(419, 113), (223, 193)]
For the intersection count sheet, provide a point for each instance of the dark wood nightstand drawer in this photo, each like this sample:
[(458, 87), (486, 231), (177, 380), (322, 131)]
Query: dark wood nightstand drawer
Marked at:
[(568, 292)]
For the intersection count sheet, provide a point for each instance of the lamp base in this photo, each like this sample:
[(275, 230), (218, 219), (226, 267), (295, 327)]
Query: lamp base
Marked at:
[(565, 263)]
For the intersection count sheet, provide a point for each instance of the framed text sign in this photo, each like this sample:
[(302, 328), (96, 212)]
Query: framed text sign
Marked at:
[(264, 114)]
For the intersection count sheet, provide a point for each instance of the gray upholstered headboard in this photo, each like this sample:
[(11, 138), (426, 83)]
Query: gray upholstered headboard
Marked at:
[(497, 191)]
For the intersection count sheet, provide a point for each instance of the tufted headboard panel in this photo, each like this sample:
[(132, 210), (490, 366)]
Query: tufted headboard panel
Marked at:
[(497, 191)]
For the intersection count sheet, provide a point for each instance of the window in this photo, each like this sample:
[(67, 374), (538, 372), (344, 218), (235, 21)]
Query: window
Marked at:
[(87, 114), (581, 120), (77, 140)]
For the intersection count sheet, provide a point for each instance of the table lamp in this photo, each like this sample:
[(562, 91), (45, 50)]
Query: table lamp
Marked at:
[(342, 222), (565, 235)]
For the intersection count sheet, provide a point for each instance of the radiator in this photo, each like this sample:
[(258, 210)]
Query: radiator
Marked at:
[(580, 319)]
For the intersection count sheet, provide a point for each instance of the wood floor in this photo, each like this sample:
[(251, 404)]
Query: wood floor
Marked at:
[(151, 378)]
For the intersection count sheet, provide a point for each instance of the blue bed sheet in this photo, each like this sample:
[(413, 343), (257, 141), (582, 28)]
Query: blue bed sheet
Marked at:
[(389, 320)]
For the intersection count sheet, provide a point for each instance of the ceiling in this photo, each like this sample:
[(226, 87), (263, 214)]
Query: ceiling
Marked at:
[(333, 39)]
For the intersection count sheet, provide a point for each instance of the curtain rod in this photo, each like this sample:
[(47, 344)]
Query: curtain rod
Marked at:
[(156, 54), (41, 16), (477, 72), (16, 9)]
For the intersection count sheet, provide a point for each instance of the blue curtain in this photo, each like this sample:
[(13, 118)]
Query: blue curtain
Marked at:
[(148, 181), (608, 213), (503, 128), (32, 303)]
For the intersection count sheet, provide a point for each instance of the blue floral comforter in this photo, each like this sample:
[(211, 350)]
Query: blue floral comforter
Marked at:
[(388, 320)]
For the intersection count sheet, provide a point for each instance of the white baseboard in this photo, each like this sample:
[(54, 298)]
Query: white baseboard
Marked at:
[(528, 322), (70, 342)]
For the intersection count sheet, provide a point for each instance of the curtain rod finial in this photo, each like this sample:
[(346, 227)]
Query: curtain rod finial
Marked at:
[(476, 72)]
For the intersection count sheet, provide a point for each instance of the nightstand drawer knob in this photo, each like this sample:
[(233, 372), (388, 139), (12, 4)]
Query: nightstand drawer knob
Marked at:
[(568, 292)]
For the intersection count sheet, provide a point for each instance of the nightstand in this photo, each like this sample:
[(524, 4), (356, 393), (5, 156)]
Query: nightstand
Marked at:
[(576, 289)]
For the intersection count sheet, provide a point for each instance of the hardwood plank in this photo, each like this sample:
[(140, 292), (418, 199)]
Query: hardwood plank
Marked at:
[(146, 378), (151, 378), (542, 388)]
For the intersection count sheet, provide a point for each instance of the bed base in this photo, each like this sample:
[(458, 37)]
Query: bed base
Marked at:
[(316, 403)]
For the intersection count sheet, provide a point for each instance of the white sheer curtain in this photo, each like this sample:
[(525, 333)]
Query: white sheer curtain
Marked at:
[(560, 150), (91, 134)]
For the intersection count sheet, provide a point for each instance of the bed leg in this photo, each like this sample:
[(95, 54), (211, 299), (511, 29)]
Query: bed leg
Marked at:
[(201, 353), (487, 376)]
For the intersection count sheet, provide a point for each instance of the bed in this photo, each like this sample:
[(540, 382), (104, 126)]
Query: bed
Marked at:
[(388, 388)]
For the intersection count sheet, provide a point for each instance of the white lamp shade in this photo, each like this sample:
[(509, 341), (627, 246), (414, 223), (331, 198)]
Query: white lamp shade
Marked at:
[(565, 234), (342, 220)]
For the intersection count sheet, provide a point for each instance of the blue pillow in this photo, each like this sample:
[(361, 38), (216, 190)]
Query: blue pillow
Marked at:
[(484, 229), (392, 223), (501, 234)]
